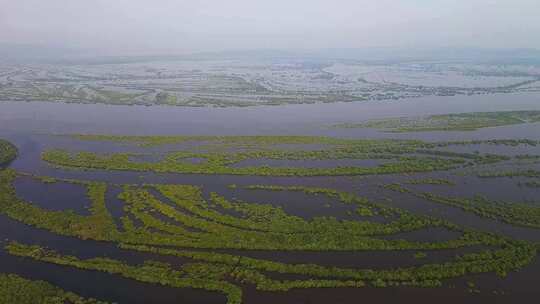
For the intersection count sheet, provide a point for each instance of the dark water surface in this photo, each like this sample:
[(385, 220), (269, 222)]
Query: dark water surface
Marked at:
[(288, 119)]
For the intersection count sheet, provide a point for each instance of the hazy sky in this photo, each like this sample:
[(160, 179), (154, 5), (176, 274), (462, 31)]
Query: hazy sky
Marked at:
[(165, 26)]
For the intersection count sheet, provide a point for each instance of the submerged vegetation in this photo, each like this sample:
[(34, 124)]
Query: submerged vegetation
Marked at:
[(449, 122)]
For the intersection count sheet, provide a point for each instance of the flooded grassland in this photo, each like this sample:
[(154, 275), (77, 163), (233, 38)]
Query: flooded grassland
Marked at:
[(309, 213)]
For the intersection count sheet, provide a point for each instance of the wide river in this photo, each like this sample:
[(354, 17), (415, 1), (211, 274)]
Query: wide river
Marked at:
[(59, 118)]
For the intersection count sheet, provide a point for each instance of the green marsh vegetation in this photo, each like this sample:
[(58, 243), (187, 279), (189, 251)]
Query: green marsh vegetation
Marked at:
[(531, 184), (201, 229), (221, 155), (8, 152), (449, 122), (513, 213), (510, 173), (431, 181), (15, 289), (211, 231)]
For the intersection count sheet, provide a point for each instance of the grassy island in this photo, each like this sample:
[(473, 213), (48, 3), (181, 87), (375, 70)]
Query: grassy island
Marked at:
[(518, 214), (226, 155), (8, 152), (15, 289), (449, 122)]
